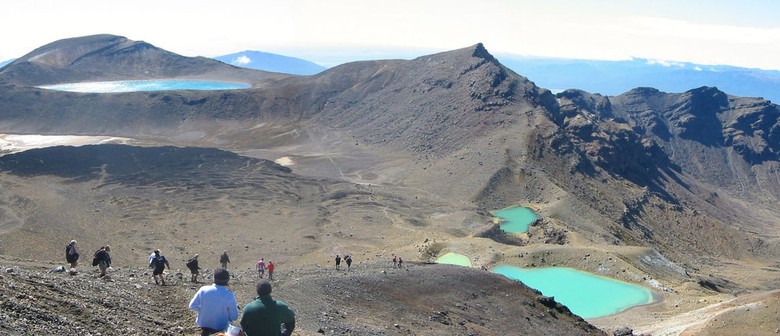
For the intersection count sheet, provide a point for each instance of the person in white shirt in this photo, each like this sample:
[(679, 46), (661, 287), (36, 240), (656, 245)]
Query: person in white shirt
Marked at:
[(215, 304)]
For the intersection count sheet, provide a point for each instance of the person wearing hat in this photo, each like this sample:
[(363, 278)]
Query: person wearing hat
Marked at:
[(215, 304), (159, 263), (265, 316)]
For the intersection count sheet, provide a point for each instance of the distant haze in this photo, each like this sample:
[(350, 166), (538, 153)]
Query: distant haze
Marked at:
[(603, 77), (271, 62), (617, 77), (739, 33)]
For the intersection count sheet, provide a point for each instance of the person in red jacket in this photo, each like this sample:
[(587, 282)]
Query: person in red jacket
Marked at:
[(270, 267)]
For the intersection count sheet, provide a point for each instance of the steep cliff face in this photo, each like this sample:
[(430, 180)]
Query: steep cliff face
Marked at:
[(609, 142), (729, 142)]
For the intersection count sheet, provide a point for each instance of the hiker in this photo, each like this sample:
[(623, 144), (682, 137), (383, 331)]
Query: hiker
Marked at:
[(270, 269), (338, 261), (261, 267), (102, 259), (400, 262), (215, 304), (159, 263), (192, 264), (71, 254), (395, 261), (266, 316), (348, 260), (224, 259)]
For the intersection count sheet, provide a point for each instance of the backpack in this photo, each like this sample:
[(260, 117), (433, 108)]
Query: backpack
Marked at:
[(159, 262), (98, 256), (191, 263)]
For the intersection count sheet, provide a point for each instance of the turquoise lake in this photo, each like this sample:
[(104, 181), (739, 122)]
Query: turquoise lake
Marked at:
[(452, 258), (516, 219), (145, 85), (587, 295)]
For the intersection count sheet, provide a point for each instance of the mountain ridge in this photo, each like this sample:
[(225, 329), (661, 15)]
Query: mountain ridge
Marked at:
[(82, 58), (411, 156)]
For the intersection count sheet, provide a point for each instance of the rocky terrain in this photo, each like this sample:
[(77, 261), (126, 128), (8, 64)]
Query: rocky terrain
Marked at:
[(370, 299), (675, 191)]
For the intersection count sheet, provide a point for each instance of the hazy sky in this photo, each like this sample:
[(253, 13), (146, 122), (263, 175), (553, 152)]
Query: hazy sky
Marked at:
[(743, 33)]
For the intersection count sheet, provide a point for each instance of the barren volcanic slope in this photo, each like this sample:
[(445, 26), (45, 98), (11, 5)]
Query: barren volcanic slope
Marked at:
[(674, 191)]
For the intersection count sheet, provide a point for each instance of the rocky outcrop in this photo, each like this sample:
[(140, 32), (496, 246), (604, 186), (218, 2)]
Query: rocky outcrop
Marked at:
[(609, 142)]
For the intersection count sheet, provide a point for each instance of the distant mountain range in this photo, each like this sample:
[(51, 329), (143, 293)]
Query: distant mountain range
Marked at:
[(271, 62), (558, 74), (617, 77), (604, 77)]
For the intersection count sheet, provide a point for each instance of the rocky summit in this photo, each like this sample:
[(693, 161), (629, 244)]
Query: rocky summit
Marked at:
[(677, 192)]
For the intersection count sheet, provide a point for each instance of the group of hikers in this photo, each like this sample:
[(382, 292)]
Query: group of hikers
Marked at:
[(347, 260), (158, 263), (262, 266), (101, 259), (215, 304)]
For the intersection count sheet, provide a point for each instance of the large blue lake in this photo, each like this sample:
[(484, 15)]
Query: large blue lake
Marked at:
[(586, 294), (145, 85)]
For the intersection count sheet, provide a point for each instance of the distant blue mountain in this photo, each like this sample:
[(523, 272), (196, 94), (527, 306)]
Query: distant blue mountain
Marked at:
[(616, 77), (3, 63), (271, 62)]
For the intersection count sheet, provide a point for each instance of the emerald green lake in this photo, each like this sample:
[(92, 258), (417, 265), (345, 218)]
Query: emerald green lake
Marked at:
[(516, 219), (452, 258), (587, 295)]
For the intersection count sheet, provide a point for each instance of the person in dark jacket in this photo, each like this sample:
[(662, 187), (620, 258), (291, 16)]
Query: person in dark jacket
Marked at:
[(267, 317), (72, 254), (224, 260), (159, 263), (103, 259), (192, 264)]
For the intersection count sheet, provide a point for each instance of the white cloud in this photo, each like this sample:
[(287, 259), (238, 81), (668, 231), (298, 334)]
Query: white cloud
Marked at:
[(697, 68), (241, 60), (608, 29), (666, 63)]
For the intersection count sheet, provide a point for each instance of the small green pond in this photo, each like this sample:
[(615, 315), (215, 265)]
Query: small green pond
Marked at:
[(516, 219), (452, 258), (587, 295)]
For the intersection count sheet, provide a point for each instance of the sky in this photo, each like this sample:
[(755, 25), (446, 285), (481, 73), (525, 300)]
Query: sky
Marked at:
[(743, 33)]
